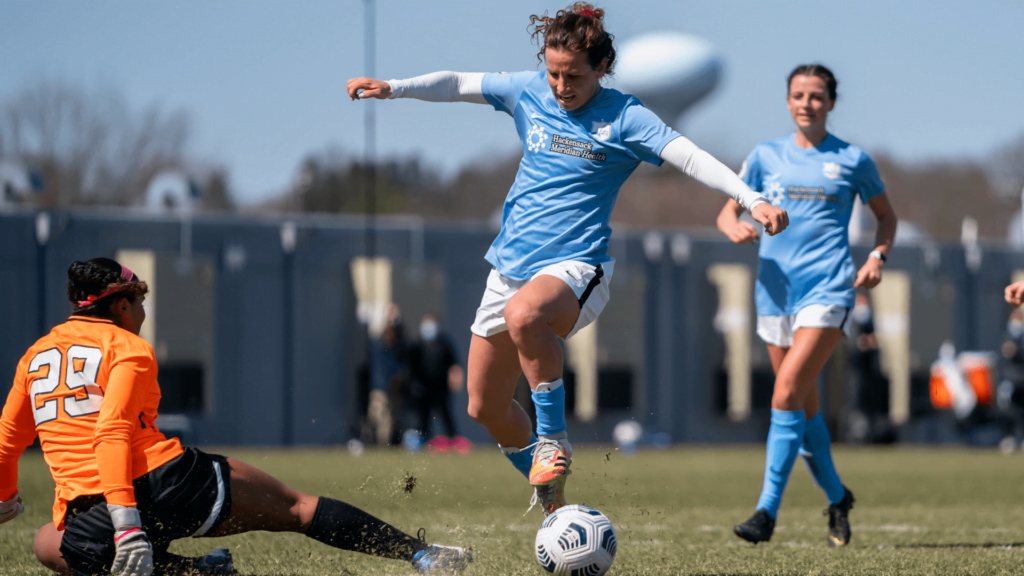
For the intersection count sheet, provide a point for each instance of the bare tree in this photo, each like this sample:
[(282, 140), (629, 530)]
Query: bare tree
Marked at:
[(91, 147)]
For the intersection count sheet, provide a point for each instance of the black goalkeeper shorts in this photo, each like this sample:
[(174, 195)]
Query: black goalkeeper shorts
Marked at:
[(188, 496)]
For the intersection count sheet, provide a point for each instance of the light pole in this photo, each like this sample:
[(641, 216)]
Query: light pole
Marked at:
[(289, 238), (370, 131), (42, 238)]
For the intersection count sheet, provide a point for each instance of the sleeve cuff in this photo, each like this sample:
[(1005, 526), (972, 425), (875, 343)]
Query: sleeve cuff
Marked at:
[(396, 89), (121, 497), (756, 201)]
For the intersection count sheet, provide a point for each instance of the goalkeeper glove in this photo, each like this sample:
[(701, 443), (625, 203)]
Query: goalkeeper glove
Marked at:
[(133, 552)]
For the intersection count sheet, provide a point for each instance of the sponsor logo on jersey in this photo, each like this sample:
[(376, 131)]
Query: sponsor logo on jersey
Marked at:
[(830, 170), (536, 138), (577, 148), (808, 193), (773, 190), (601, 130)]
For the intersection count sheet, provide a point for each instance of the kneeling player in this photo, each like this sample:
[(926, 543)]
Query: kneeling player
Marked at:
[(124, 491)]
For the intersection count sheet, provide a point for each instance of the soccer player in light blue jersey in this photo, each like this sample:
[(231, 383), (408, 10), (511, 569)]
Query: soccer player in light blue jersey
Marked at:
[(551, 269), (805, 284)]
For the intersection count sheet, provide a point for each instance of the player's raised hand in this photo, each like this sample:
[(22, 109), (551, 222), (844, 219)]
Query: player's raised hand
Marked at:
[(11, 508), (773, 219), (870, 274), (362, 88), (1015, 294)]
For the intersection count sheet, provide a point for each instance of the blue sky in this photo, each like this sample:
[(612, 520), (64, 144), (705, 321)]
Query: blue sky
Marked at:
[(264, 80)]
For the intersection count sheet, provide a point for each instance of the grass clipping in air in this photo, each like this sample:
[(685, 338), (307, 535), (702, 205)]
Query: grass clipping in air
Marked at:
[(918, 511)]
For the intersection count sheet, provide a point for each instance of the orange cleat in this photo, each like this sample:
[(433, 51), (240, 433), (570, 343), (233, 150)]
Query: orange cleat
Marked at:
[(551, 497), (551, 460)]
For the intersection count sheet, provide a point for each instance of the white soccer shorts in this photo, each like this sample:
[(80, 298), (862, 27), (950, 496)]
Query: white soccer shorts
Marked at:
[(589, 283), (778, 330)]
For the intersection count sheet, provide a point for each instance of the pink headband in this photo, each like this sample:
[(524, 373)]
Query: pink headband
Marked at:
[(126, 274)]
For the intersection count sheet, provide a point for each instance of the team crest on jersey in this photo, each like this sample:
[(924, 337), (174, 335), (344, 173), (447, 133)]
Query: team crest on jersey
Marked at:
[(536, 138), (601, 130), (830, 170), (773, 190)]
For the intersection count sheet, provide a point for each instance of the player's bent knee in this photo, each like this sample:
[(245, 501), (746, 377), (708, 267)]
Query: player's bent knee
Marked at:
[(522, 319), (486, 414), (46, 546), (479, 412)]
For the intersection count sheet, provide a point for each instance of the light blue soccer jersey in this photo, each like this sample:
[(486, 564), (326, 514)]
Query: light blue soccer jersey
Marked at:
[(809, 262), (573, 165)]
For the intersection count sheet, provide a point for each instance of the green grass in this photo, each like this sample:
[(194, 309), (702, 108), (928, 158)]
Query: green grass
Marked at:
[(918, 511)]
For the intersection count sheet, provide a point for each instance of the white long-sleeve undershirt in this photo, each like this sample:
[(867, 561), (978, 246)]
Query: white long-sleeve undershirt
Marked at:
[(681, 153), (704, 168), (441, 87)]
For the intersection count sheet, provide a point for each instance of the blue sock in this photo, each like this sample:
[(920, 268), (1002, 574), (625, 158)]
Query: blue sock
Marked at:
[(818, 457), (784, 437), (549, 401), (521, 459)]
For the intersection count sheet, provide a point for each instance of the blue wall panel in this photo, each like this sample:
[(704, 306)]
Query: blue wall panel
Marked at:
[(313, 342)]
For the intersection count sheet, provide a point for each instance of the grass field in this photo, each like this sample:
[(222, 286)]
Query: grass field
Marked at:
[(918, 512)]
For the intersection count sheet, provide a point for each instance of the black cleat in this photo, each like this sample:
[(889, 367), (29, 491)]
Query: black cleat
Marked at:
[(838, 523), (758, 528)]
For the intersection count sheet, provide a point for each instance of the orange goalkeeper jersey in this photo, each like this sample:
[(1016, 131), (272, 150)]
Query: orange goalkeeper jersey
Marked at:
[(89, 390)]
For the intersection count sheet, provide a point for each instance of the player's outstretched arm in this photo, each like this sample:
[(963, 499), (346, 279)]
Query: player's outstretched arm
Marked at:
[(17, 431), (363, 88), (704, 168), (870, 274), (433, 87), (773, 219), (112, 446)]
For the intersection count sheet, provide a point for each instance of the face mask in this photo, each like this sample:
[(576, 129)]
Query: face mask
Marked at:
[(1015, 328), (862, 314), (428, 330)]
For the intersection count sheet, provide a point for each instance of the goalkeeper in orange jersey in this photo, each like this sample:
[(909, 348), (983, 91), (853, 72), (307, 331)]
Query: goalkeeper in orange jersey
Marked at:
[(124, 492)]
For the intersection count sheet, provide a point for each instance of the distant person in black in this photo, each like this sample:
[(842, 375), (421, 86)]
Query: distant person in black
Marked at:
[(436, 374)]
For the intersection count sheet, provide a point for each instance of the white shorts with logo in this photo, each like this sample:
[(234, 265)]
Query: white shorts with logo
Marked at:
[(779, 330), (589, 283)]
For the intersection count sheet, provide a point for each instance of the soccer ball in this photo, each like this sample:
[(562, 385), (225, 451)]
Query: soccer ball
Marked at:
[(576, 540)]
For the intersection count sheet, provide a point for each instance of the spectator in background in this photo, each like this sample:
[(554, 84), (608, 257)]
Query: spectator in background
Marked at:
[(436, 375), (388, 375), (869, 388)]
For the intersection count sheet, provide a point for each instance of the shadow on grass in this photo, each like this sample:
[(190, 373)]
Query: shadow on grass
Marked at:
[(1000, 545)]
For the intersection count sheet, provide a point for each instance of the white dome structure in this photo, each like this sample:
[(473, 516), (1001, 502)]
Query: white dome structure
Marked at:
[(172, 192), (668, 71)]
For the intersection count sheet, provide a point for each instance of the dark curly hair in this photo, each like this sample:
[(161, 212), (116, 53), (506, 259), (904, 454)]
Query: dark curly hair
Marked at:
[(95, 277), (818, 70), (578, 28)]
